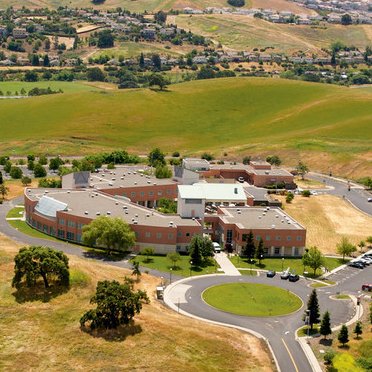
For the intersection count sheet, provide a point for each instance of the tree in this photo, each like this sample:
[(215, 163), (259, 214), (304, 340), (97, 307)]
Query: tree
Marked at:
[(136, 270), (46, 61), (345, 248), (361, 245), (3, 190), (289, 197), (95, 74), (156, 157), (313, 309), (162, 171), (35, 60), (35, 262), (55, 163), (206, 248), (1, 178), (15, 172), (195, 250), (173, 257), (108, 233), (43, 160), (158, 79), (142, 61), (30, 165), (7, 166), (302, 169), (259, 253), (358, 330), (160, 17), (148, 252), (156, 61), (274, 160), (325, 325), (346, 19), (313, 258), (167, 206), (343, 336), (105, 39), (31, 76), (117, 304), (237, 3), (249, 248), (39, 170), (25, 180), (246, 160)]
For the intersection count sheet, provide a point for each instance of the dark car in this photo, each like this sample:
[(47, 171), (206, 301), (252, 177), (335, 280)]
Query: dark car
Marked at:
[(271, 274), (367, 287), (293, 278), (358, 265), (285, 275)]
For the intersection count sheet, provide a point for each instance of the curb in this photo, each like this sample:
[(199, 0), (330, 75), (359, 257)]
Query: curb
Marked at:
[(309, 353), (180, 311)]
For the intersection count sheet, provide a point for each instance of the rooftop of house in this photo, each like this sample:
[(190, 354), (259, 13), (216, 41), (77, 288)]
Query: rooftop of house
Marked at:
[(92, 204), (259, 218), (214, 192), (195, 163), (125, 178)]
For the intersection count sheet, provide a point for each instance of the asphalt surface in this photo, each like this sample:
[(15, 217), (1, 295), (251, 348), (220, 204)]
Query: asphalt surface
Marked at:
[(357, 195)]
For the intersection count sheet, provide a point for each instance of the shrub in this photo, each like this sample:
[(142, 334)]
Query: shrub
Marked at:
[(328, 357), (306, 193)]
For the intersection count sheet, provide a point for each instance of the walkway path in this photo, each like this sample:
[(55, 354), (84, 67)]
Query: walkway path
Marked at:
[(226, 265)]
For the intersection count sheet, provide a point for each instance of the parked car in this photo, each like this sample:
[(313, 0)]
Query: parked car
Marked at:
[(293, 278), (285, 275), (356, 264), (367, 287), (271, 274), (216, 247)]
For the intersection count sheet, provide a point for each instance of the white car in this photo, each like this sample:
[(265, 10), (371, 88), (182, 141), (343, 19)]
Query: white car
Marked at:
[(216, 247)]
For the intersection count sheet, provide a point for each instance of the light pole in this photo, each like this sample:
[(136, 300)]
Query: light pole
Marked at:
[(282, 263), (170, 276), (190, 268), (162, 281)]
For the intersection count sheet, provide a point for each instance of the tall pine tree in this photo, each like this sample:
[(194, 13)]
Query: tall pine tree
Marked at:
[(325, 325), (343, 336), (259, 253), (249, 249), (313, 309)]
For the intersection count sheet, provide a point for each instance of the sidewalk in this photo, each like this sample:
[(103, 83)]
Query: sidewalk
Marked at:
[(227, 267)]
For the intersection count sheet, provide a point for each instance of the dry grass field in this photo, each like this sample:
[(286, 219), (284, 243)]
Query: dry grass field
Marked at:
[(327, 219), (47, 335), (246, 33)]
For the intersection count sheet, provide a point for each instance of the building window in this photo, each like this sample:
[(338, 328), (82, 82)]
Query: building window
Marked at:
[(78, 237), (289, 238), (70, 223), (151, 193), (299, 238), (169, 192), (228, 236), (179, 233), (296, 251), (147, 234), (45, 229), (278, 237), (268, 237), (160, 193), (79, 226), (132, 194), (266, 251), (142, 194), (170, 236), (61, 234), (70, 235), (277, 251), (187, 234), (158, 235), (193, 201), (258, 237), (61, 221)]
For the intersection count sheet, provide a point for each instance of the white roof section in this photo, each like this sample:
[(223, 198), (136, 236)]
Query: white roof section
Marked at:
[(49, 206), (213, 192)]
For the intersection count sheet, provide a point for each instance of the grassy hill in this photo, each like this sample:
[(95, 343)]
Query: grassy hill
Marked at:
[(47, 335), (238, 116), (245, 33)]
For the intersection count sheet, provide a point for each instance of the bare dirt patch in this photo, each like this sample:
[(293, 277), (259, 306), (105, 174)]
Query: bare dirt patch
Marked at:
[(327, 219)]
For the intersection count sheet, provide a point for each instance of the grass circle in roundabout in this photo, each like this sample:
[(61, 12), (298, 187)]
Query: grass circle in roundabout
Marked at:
[(252, 299)]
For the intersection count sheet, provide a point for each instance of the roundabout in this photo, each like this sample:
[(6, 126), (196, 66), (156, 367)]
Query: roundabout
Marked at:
[(252, 299)]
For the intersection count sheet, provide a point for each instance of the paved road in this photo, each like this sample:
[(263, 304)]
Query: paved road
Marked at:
[(280, 331), (357, 195)]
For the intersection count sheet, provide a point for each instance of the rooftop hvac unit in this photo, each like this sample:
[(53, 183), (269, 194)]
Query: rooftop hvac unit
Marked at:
[(273, 226), (154, 183), (86, 212), (132, 219), (135, 183), (110, 183), (136, 215), (148, 182), (108, 212), (135, 222), (96, 193), (121, 178), (98, 213), (259, 217), (134, 172), (46, 192), (68, 191), (282, 221), (148, 215), (276, 216), (126, 211), (113, 179), (116, 203), (128, 172)]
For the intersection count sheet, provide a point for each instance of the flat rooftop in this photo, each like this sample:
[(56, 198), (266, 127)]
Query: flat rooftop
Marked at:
[(259, 218), (125, 178), (213, 192), (271, 172), (92, 204)]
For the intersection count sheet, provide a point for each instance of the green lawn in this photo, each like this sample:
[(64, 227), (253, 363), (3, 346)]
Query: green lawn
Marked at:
[(67, 87), (24, 228), (346, 363), (233, 114), (182, 268), (252, 299), (295, 264), (16, 212), (306, 331)]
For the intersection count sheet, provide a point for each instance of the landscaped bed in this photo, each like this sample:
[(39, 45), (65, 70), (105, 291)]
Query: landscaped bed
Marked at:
[(251, 299)]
